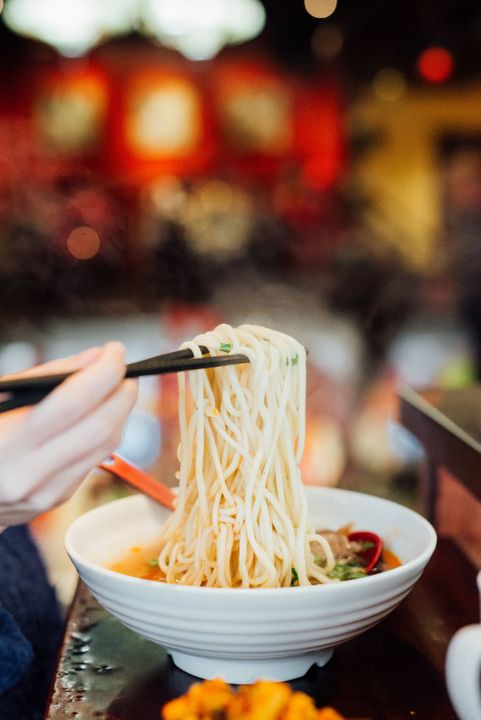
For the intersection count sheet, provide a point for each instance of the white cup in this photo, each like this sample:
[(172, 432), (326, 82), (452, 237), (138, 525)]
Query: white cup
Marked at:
[(463, 669)]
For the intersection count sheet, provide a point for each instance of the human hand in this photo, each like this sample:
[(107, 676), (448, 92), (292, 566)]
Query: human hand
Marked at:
[(47, 450)]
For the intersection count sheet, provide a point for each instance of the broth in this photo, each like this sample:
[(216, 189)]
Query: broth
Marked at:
[(141, 562)]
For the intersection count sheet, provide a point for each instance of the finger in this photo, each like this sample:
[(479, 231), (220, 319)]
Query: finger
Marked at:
[(69, 364), (53, 367), (77, 396), (9, 422), (50, 495), (66, 483), (98, 435)]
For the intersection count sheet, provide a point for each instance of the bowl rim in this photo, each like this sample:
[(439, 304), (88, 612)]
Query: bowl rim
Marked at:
[(418, 562)]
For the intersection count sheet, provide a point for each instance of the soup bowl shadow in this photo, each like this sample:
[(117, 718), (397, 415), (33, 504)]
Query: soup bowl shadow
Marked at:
[(246, 634)]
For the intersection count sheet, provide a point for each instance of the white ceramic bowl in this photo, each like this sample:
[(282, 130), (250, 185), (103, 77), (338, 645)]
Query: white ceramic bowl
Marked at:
[(245, 634)]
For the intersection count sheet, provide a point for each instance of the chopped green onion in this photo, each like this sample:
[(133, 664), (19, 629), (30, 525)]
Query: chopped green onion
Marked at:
[(347, 571), (153, 562), (225, 347), (366, 544), (295, 359), (294, 577), (321, 561)]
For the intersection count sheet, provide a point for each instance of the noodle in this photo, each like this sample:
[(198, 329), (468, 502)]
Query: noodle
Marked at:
[(241, 517)]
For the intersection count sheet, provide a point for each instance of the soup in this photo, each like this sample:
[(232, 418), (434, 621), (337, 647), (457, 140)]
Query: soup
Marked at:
[(142, 561)]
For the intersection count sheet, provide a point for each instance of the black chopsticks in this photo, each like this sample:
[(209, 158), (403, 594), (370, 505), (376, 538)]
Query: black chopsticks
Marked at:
[(28, 391)]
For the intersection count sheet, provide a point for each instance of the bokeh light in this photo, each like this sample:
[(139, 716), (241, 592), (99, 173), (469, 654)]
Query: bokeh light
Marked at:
[(389, 85), (320, 8), (83, 243), (436, 64), (326, 42), (200, 29), (70, 26)]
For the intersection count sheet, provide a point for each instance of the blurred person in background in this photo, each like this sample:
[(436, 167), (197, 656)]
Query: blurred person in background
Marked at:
[(369, 286), (45, 453)]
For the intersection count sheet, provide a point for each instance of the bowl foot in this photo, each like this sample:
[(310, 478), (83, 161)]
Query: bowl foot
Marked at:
[(244, 672)]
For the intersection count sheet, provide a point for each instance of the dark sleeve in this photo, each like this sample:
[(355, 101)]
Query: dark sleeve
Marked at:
[(16, 651)]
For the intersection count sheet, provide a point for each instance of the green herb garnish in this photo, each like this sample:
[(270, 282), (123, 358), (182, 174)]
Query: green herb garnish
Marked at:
[(225, 347), (153, 562), (366, 544), (294, 577), (295, 359), (347, 571)]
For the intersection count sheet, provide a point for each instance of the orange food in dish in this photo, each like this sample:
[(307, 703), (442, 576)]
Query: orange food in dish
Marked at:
[(264, 700), (389, 560)]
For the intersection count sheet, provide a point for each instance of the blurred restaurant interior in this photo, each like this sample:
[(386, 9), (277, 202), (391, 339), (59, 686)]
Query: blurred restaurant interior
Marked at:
[(314, 166)]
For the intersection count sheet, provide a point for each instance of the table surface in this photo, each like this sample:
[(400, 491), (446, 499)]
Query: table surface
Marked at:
[(392, 672)]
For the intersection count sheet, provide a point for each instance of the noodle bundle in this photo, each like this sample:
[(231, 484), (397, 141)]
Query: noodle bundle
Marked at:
[(241, 518)]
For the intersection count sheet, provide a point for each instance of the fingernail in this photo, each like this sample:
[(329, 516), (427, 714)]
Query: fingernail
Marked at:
[(115, 346), (89, 355)]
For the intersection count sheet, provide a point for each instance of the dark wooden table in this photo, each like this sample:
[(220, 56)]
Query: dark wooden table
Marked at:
[(394, 671)]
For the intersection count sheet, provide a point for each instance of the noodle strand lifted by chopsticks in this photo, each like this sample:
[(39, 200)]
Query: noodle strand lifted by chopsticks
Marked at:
[(241, 517)]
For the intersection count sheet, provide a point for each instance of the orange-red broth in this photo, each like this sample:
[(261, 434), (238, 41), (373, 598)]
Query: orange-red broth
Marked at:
[(141, 562)]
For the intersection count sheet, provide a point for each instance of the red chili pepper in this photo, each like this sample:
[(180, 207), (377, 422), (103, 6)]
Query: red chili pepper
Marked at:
[(370, 554)]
